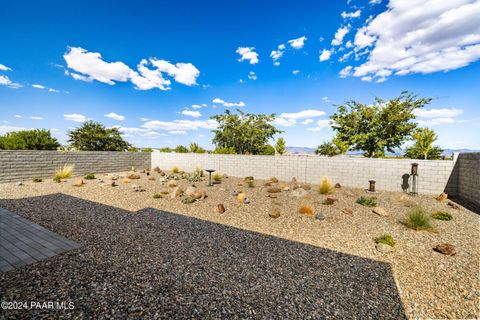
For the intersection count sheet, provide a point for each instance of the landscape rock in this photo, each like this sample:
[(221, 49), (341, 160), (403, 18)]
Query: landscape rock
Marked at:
[(270, 195), (114, 177), (19, 183), (177, 192), (320, 216), (384, 248), (162, 173), (133, 176), (220, 208), (172, 183), (299, 193), (190, 191), (113, 184), (274, 190), (273, 180), (442, 197), (79, 183), (380, 211), (331, 199), (347, 210), (164, 191), (151, 178), (234, 193), (157, 169), (274, 213), (446, 249), (246, 200), (453, 205), (338, 185), (199, 194), (305, 187)]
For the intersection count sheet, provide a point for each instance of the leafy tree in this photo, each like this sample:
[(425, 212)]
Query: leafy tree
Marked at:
[(147, 150), (133, 149), (181, 149), (36, 139), (328, 149), (341, 145), (267, 150), (280, 146), (94, 136), (385, 125), (245, 132), (165, 149), (224, 151), (423, 147), (195, 148)]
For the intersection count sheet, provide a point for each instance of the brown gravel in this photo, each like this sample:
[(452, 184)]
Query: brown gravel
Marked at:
[(146, 262)]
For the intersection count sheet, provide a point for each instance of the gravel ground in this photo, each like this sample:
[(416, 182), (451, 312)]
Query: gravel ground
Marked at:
[(138, 260)]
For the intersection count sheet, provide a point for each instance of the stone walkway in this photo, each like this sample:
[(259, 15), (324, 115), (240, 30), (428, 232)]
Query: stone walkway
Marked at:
[(23, 242)]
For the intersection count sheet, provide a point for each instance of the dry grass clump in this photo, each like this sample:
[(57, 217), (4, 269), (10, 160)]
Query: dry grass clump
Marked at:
[(176, 169), (133, 176), (157, 195), (250, 183), (217, 177), (64, 173), (306, 209), (418, 219), (326, 186), (198, 171)]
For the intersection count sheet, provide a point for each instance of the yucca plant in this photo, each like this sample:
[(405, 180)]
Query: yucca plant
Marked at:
[(65, 172), (326, 186)]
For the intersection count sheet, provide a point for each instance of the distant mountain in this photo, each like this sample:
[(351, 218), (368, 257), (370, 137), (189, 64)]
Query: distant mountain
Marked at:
[(307, 150)]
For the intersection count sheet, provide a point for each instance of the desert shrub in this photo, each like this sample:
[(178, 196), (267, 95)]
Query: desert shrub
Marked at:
[(176, 169), (367, 201), (89, 176), (57, 179), (418, 219), (181, 149), (157, 195), (386, 239), (65, 172), (248, 178), (306, 209), (250, 183), (441, 215), (198, 171), (273, 180), (188, 200), (328, 201), (192, 177), (37, 179), (133, 176), (326, 186), (222, 150), (217, 177), (147, 150)]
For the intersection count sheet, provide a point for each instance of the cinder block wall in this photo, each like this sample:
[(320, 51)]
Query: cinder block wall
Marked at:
[(468, 167), (435, 176), (20, 165)]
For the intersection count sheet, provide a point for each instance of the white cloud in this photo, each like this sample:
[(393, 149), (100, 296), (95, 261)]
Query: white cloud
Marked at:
[(339, 35), (196, 106), (277, 54), (53, 90), (4, 68), (184, 125), (345, 72), (323, 123), (146, 79), (248, 54), (38, 86), (36, 118), (284, 122), (144, 119), (228, 104), (5, 129), (433, 117), (252, 75), (354, 14), (295, 72), (191, 113), (276, 63), (75, 117), (184, 73), (182, 132), (115, 116), (5, 81), (326, 99), (372, 2), (18, 116), (297, 43), (309, 113), (420, 37), (307, 121), (325, 55), (218, 100)]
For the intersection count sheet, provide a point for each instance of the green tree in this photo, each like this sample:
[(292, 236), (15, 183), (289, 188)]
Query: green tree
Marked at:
[(245, 132), (267, 150), (280, 146), (36, 139), (195, 148), (94, 136), (224, 151), (328, 149), (423, 147), (133, 149), (147, 150), (165, 149), (385, 125), (181, 149)]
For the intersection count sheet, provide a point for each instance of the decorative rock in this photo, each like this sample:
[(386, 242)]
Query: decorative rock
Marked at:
[(113, 184), (79, 183), (274, 190), (114, 177), (190, 191), (442, 197), (137, 188), (306, 187), (274, 213), (298, 193), (453, 205), (234, 193), (126, 180), (220, 208), (271, 196), (273, 180), (177, 192), (157, 169), (267, 184), (331, 199), (19, 183), (162, 173), (133, 176), (338, 185), (320, 216), (172, 183), (380, 211), (162, 179), (446, 249), (151, 178), (246, 200), (347, 210), (199, 194), (384, 248)]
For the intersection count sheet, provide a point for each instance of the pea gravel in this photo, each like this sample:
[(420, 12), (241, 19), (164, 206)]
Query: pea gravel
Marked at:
[(158, 258)]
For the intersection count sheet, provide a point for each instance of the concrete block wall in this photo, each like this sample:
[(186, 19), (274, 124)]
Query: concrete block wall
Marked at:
[(22, 165), (468, 167), (435, 176)]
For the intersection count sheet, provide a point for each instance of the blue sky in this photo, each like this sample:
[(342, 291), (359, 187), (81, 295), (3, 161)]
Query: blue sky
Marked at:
[(159, 69)]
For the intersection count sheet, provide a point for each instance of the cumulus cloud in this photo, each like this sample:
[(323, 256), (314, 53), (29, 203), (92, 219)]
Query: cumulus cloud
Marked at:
[(247, 54), (182, 132), (228, 104), (339, 35), (289, 119), (115, 116), (307, 121), (184, 125), (6, 128), (323, 123), (345, 72), (434, 117), (5, 81), (284, 122), (325, 55), (420, 37), (191, 113), (297, 43), (75, 117), (347, 15), (4, 68), (277, 54), (252, 75)]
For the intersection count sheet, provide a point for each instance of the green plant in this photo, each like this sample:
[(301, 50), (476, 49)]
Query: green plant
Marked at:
[(266, 150), (280, 146), (441, 215), (147, 150), (37, 179), (133, 149), (94, 136), (328, 201), (188, 200), (181, 149), (250, 183), (192, 177), (423, 147), (36, 139), (65, 172), (217, 177), (386, 239), (57, 179), (195, 148), (221, 150), (165, 149), (367, 201), (418, 219), (89, 176), (248, 178), (326, 186), (157, 195)]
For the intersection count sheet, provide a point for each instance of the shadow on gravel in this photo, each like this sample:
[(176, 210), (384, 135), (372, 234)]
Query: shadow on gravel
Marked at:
[(157, 264)]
